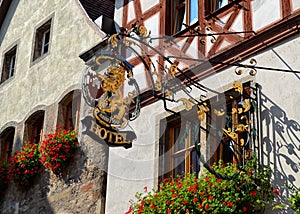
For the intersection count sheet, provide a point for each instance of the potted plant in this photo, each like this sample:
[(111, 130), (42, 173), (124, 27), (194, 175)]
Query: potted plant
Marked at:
[(58, 149), (247, 192), (25, 165)]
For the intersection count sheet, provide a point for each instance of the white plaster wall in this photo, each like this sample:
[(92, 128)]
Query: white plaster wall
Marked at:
[(45, 81), (265, 12)]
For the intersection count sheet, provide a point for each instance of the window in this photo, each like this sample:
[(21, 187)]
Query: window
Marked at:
[(42, 40), (177, 147), (213, 5), (9, 64), (68, 112), (6, 142), (179, 135), (183, 12), (34, 127), (223, 147)]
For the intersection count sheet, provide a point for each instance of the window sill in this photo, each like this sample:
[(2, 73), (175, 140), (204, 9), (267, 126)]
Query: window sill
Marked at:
[(37, 60)]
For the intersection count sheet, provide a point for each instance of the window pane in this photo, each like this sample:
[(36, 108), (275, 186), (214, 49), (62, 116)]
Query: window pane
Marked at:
[(193, 11), (179, 164), (180, 17), (179, 140), (12, 66)]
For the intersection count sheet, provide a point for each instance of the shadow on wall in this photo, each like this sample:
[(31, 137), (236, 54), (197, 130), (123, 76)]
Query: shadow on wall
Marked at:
[(50, 192), (280, 144)]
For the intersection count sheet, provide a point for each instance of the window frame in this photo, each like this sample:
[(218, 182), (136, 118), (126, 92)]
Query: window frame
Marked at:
[(67, 116), (167, 142), (34, 127), (230, 103), (7, 138), (214, 150), (41, 46), (174, 5), (8, 71)]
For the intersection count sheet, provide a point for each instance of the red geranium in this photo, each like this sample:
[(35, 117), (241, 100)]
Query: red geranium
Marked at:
[(58, 149), (25, 165)]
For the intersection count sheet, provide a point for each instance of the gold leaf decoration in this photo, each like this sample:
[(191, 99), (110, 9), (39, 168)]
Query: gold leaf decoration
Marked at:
[(143, 30), (232, 135), (233, 111), (240, 110), (239, 128), (246, 105), (238, 87), (172, 69), (188, 105), (114, 40), (201, 113), (219, 113)]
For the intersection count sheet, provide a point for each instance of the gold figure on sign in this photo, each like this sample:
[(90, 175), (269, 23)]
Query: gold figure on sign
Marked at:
[(112, 107)]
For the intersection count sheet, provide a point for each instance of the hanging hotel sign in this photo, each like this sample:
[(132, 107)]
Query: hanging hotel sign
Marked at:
[(110, 77)]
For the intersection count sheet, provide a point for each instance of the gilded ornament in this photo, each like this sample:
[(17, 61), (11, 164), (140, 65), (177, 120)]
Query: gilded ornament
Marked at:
[(240, 110), (198, 29), (242, 142), (246, 105), (238, 71), (187, 104), (115, 78), (172, 69), (252, 72), (219, 113), (143, 30), (209, 27), (233, 111), (239, 128), (114, 40), (202, 41), (238, 87), (201, 113), (232, 135), (206, 109)]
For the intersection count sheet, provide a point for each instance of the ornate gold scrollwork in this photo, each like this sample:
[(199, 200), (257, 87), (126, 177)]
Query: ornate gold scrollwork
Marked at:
[(172, 69), (238, 87), (232, 135), (239, 128), (114, 40), (187, 104), (201, 111), (246, 105), (236, 110), (219, 112)]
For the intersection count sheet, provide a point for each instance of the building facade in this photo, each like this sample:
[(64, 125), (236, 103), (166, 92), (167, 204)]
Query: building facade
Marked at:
[(202, 61)]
